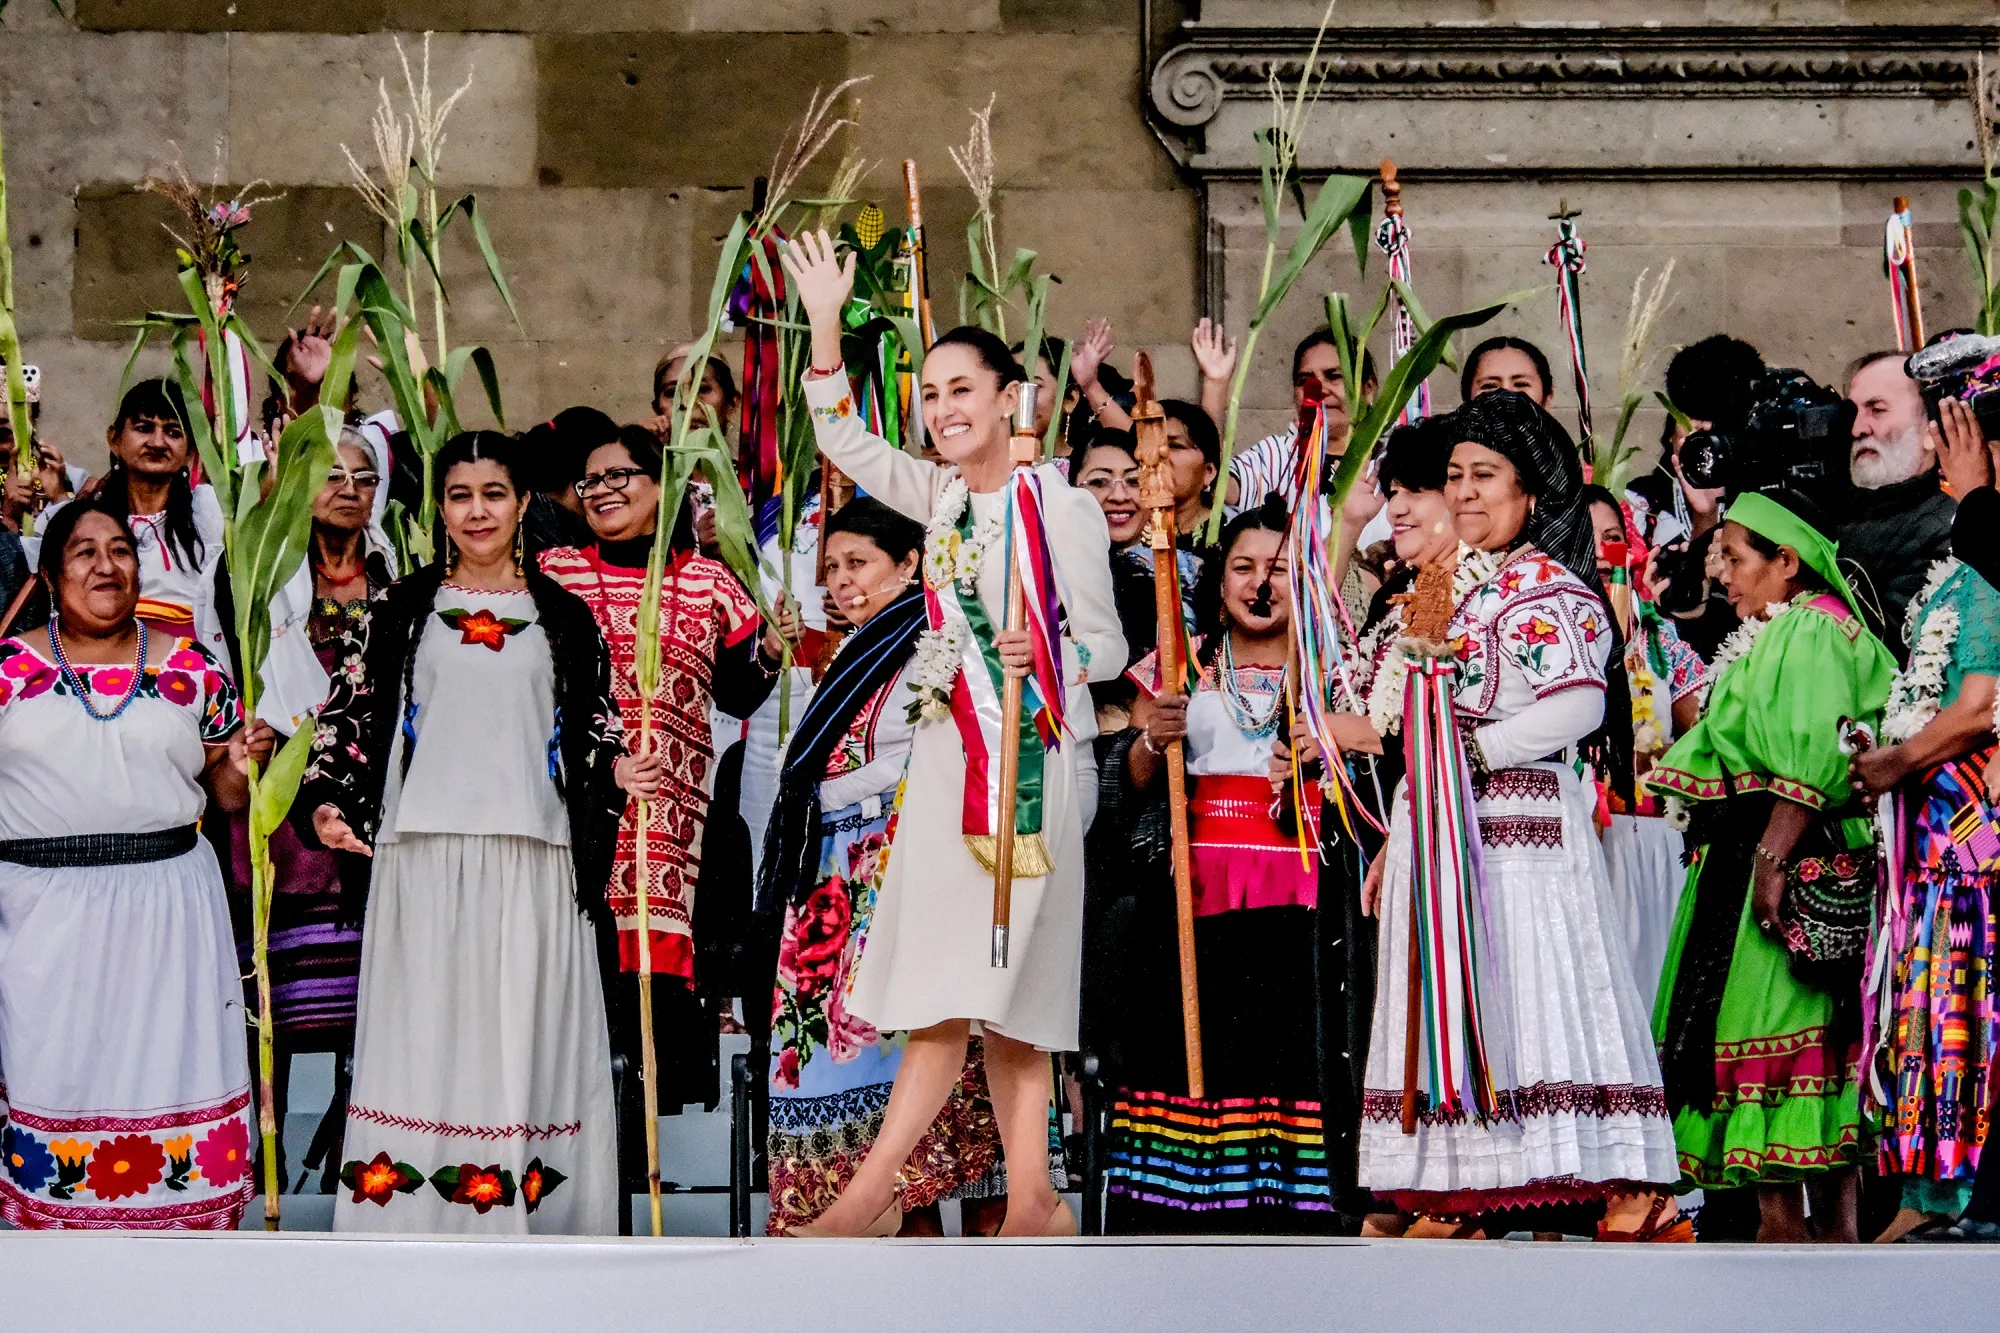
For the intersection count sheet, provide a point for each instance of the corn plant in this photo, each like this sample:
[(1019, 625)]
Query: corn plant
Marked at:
[(1340, 199), (1370, 421), (266, 504), (1611, 467), (403, 190), (10, 348), (1979, 206)]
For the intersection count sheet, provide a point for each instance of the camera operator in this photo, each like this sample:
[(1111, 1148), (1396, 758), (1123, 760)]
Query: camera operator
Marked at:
[(1710, 383), (1898, 518)]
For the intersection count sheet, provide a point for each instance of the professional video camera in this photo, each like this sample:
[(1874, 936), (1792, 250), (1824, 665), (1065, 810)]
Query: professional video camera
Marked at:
[(1795, 434), (1964, 366)]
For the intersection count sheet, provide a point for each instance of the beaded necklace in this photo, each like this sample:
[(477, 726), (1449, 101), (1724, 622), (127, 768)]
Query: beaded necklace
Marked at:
[(82, 687), (1241, 711)]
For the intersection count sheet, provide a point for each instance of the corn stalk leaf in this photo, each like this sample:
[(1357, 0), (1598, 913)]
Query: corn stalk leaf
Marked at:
[(278, 785), (1337, 199), (469, 206)]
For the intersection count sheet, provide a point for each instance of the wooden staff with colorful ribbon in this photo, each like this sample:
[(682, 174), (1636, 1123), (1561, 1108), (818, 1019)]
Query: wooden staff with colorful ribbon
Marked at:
[(1899, 260), (1156, 497), (1392, 238), (1566, 256), (1025, 448)]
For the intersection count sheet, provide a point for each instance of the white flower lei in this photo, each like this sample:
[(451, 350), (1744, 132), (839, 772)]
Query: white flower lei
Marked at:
[(948, 557), (1385, 694), (1919, 687), (1740, 641), (936, 673)]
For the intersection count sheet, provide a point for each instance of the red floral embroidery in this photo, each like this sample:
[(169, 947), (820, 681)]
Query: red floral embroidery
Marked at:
[(177, 687), (1510, 581), (482, 627), (186, 659), (538, 1182), (1536, 630), (126, 1165), (30, 675), (224, 1153), (1591, 629), (376, 1181), (113, 681), (485, 1188), (823, 924)]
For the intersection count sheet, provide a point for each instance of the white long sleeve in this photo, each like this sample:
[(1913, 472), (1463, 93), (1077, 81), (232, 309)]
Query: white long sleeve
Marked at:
[(905, 483), (1545, 727)]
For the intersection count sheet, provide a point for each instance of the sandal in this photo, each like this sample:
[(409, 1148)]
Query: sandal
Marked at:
[(1678, 1232)]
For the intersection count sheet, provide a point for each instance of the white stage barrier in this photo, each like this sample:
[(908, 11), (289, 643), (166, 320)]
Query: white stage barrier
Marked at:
[(298, 1284)]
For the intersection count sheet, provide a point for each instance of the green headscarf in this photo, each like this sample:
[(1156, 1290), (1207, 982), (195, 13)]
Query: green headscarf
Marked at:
[(1773, 522)]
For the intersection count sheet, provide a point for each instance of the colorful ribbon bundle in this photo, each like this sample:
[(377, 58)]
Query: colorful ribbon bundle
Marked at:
[(1566, 255), (976, 693), (1448, 916), (1899, 261), (1392, 238), (757, 302)]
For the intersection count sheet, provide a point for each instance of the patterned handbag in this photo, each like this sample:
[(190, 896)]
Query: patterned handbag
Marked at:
[(1823, 915)]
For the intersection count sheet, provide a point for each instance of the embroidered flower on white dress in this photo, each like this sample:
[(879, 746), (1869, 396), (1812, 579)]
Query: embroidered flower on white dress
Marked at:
[(1385, 694)]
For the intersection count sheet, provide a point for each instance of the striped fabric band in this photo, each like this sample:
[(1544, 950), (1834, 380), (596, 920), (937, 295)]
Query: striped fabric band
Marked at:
[(1219, 1153)]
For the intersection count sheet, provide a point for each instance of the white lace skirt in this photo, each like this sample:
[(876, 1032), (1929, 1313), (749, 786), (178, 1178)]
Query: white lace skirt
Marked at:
[(1570, 1046), (1642, 853), (482, 1066)]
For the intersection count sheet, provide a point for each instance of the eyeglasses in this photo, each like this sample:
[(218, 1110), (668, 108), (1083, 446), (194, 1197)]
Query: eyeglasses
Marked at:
[(616, 480), (1107, 485), (340, 479)]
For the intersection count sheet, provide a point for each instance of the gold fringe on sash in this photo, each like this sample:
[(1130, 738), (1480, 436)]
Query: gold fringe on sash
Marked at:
[(1031, 854)]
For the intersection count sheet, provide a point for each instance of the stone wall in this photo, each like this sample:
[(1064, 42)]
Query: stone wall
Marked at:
[(1755, 142), (609, 142)]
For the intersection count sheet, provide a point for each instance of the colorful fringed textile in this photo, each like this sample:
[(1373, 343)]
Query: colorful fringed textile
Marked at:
[(1899, 261), (1939, 1049), (1219, 1153), (1446, 884)]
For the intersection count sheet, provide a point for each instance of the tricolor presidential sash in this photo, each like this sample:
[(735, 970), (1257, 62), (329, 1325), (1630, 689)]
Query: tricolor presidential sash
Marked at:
[(955, 611)]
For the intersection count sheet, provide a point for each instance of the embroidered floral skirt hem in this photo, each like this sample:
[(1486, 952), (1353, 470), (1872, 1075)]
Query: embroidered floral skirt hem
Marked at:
[(126, 1088), (1785, 1106), (1569, 1049), (1938, 1060), (831, 1073), (482, 1069)]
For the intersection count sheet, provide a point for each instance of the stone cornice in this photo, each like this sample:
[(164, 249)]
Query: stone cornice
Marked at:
[(1191, 81)]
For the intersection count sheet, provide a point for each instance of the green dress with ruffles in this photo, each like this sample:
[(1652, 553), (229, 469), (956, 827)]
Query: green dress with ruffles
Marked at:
[(1784, 1095)]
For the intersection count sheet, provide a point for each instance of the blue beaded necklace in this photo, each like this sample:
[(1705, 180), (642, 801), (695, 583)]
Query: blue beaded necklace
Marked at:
[(82, 687)]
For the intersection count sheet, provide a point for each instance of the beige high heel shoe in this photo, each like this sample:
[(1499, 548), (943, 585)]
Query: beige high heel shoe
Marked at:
[(888, 1224), (1061, 1222)]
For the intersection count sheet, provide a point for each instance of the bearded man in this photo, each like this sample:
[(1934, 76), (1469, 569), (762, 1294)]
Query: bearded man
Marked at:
[(1899, 519)]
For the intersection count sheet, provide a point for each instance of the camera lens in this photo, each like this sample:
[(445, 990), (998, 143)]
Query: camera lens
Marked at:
[(1702, 459)]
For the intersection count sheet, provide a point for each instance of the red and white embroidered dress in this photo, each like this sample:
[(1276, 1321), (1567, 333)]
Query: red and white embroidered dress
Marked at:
[(703, 610)]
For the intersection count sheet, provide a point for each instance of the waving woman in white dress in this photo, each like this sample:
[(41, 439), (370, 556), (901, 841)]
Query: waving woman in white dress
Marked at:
[(926, 968)]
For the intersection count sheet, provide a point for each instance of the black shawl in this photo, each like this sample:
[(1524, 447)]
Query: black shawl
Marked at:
[(866, 662), (349, 767)]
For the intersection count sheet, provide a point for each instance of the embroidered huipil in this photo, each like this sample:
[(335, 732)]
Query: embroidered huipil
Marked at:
[(709, 628)]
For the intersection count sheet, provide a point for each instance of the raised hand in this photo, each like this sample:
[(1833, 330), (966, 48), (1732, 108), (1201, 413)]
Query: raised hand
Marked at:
[(824, 282), (1961, 447), (1089, 353), (1214, 351), (308, 351)]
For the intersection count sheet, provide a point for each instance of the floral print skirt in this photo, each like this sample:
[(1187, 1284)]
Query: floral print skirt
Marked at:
[(124, 1078), (831, 1073)]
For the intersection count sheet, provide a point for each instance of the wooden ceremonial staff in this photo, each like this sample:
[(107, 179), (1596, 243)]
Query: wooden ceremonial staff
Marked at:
[(1024, 448), (920, 281), (1156, 497), (649, 1060)]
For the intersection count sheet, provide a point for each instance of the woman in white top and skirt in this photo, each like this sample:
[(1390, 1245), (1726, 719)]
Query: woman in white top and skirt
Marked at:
[(127, 1087), (465, 767), (928, 968)]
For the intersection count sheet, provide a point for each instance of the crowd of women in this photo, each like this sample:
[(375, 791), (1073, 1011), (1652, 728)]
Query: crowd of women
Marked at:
[(1554, 925)]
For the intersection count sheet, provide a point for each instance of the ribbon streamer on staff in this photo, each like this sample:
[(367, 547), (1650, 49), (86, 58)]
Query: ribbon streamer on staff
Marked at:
[(1445, 898), (1028, 547), (1392, 238), (1899, 262), (1566, 256)]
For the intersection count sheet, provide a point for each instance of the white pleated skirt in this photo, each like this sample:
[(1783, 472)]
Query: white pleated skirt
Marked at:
[(1570, 1045), (124, 1070), (482, 1068), (1642, 854)]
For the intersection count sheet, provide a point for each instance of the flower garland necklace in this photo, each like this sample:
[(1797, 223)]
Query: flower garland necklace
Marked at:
[(82, 687), (1918, 690), (1237, 704), (949, 558), (1740, 641), (1385, 695)]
